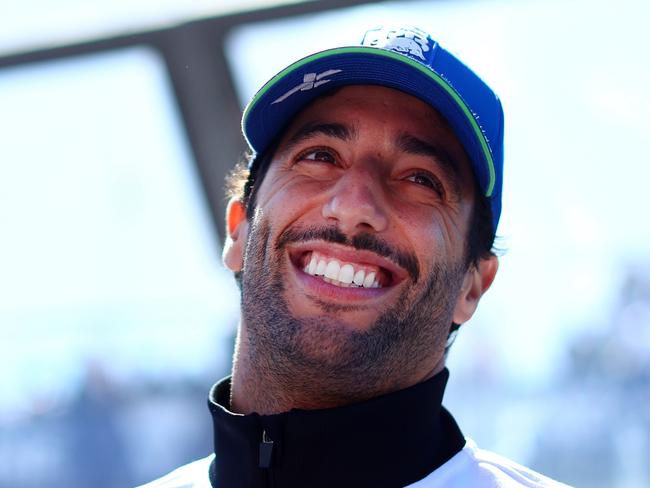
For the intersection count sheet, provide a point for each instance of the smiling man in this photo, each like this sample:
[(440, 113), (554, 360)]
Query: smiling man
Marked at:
[(361, 234)]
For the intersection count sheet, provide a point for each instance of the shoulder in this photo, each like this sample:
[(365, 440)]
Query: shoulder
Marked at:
[(193, 475), (474, 467)]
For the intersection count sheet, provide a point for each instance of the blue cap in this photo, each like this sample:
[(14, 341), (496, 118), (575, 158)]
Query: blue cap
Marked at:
[(403, 58)]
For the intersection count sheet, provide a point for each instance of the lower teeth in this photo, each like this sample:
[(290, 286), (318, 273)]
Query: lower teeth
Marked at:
[(340, 283)]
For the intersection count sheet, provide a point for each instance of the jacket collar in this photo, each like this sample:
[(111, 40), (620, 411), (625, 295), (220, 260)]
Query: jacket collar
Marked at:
[(388, 441)]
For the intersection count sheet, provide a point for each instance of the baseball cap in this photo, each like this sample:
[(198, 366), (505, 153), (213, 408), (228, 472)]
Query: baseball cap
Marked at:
[(402, 58)]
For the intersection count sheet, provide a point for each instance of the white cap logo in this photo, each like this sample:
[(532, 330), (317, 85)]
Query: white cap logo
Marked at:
[(409, 41), (309, 81)]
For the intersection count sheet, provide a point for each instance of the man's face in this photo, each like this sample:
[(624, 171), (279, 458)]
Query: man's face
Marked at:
[(354, 261)]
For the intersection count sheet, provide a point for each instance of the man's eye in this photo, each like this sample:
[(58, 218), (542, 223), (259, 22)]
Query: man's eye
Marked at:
[(426, 180), (318, 155)]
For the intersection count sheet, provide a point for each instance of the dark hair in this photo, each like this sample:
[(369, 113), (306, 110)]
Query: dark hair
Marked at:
[(243, 183)]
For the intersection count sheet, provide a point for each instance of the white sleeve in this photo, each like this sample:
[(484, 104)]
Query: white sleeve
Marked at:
[(193, 475), (475, 468)]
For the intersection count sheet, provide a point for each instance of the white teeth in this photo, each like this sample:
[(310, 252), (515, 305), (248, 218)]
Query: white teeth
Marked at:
[(340, 275), (313, 264), (346, 274), (333, 269), (358, 277), (369, 280)]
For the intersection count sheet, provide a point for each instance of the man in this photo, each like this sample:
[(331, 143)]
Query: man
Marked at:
[(360, 235)]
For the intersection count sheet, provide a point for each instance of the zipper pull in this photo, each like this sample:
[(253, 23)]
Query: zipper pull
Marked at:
[(266, 450)]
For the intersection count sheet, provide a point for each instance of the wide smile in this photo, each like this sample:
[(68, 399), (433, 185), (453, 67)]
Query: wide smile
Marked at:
[(341, 272)]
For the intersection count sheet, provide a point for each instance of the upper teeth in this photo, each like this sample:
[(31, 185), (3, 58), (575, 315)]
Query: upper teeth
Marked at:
[(340, 274)]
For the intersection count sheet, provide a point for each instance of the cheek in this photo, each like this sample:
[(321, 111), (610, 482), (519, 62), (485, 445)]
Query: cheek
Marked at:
[(292, 200), (435, 233)]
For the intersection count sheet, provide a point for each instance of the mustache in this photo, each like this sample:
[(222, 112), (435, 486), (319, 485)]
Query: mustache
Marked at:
[(362, 241)]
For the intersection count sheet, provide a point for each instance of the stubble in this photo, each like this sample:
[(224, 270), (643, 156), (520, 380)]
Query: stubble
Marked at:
[(320, 361)]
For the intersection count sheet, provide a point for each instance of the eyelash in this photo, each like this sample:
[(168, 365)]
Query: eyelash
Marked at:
[(432, 182), (331, 154)]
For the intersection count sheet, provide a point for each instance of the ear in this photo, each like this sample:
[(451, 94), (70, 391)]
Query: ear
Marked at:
[(236, 234), (477, 281)]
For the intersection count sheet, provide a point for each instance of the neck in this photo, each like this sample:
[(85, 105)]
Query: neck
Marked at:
[(268, 385), (260, 385), (254, 387)]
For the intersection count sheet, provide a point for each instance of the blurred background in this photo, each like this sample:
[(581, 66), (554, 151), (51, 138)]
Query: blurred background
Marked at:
[(118, 122)]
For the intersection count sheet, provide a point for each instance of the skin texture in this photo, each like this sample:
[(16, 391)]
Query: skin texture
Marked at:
[(368, 175)]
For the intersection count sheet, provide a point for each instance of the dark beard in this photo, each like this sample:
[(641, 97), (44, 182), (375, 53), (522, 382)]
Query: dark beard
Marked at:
[(324, 360)]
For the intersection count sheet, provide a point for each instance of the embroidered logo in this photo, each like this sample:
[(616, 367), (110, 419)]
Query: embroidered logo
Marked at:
[(309, 81), (408, 41)]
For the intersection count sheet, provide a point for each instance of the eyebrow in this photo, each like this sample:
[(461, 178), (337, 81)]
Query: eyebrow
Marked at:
[(331, 129), (413, 145)]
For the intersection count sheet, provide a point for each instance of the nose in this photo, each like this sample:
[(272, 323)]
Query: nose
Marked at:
[(356, 202)]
